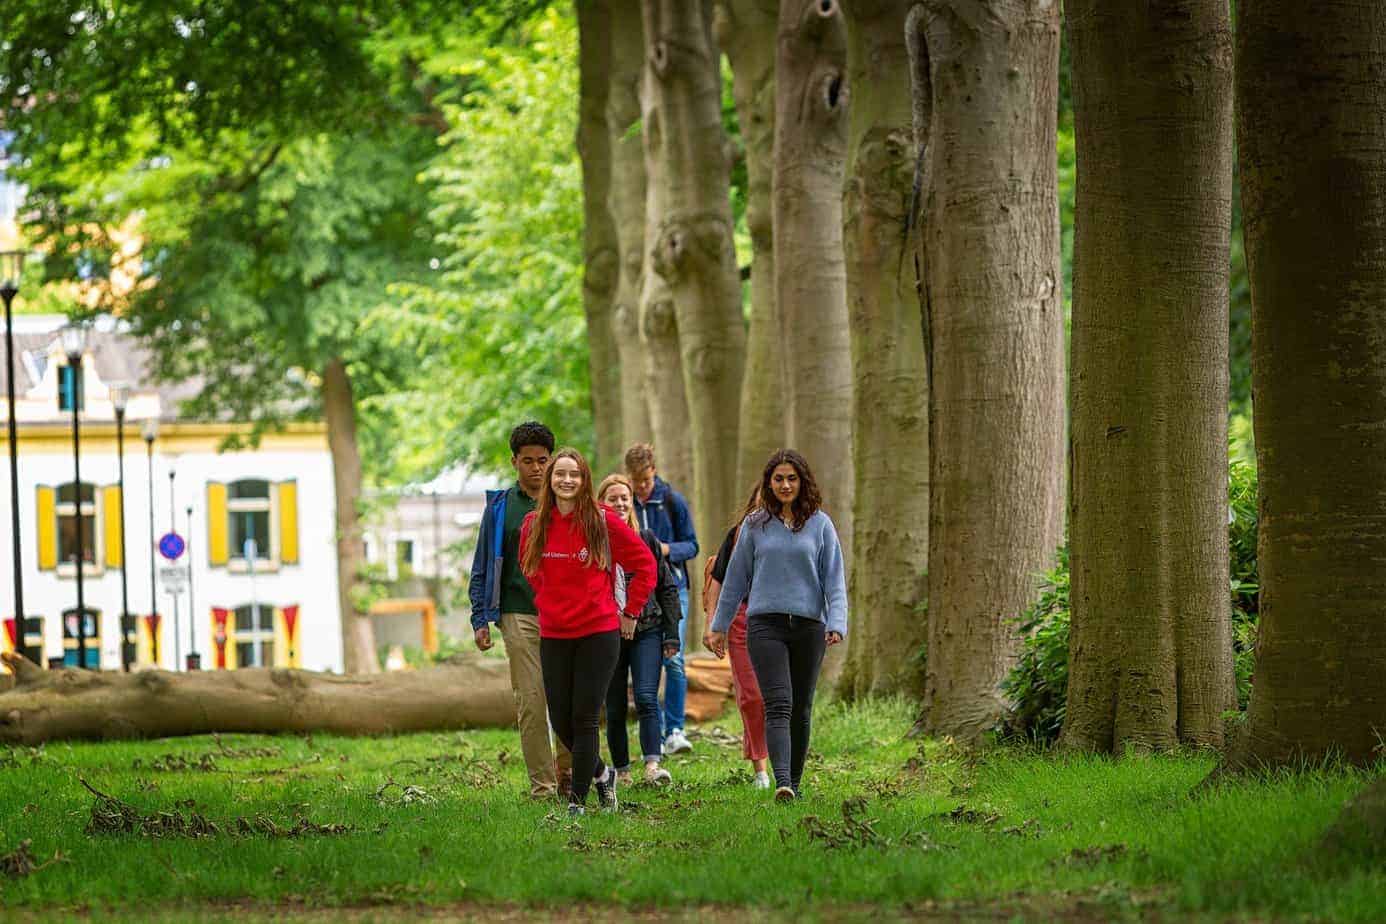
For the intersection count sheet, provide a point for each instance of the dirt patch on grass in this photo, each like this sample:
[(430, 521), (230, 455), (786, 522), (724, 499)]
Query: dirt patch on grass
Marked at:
[(1075, 908)]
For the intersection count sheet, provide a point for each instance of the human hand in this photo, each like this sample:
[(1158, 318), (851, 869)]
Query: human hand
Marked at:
[(716, 642), (834, 638), (483, 638), (664, 546), (627, 626), (671, 649)]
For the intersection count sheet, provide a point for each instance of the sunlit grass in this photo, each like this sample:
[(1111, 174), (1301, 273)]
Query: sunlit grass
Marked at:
[(1035, 832)]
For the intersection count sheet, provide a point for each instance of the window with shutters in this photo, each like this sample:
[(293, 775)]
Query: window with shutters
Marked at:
[(249, 506), (254, 635), (66, 389), (252, 524), (73, 517)]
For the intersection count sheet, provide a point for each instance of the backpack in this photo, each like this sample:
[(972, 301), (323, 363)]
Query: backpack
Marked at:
[(710, 598)]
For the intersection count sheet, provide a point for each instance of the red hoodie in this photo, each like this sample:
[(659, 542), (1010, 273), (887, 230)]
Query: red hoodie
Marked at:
[(573, 597)]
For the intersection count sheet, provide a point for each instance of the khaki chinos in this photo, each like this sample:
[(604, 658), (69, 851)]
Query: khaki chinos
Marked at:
[(521, 634)]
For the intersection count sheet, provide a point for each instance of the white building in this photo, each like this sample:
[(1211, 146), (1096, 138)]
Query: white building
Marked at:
[(272, 602)]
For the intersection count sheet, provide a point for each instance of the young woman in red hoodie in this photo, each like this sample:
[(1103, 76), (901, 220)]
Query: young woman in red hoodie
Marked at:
[(568, 547)]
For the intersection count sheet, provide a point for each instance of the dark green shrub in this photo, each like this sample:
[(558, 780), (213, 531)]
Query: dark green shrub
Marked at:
[(1037, 686)]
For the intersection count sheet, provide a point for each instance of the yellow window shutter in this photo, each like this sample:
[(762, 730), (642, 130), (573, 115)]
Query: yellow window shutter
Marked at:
[(47, 528), (287, 628), (288, 522), (216, 523), (110, 499), (281, 639)]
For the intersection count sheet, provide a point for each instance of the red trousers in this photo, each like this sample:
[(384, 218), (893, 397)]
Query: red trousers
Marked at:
[(748, 698)]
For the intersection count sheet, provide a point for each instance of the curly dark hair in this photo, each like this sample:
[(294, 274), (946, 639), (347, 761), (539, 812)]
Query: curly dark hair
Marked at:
[(805, 505), (531, 433)]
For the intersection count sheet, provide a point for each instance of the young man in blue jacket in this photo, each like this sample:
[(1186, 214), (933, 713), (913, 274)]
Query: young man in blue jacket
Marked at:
[(663, 511), (500, 593)]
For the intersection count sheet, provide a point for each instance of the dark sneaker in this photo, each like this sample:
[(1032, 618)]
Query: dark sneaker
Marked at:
[(784, 794), (606, 790)]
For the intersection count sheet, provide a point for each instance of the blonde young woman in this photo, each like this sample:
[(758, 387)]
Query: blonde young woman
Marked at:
[(569, 548), (644, 646)]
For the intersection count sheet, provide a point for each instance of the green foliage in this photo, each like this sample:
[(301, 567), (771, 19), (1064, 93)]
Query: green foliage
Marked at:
[(395, 825), (498, 334), (1241, 495), (1037, 687)]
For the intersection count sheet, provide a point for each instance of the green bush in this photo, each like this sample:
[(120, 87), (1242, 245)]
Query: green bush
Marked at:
[(1037, 687)]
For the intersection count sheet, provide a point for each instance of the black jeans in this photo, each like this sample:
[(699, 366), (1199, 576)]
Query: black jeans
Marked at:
[(577, 674), (786, 652)]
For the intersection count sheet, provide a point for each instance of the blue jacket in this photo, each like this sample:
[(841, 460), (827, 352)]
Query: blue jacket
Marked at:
[(666, 515), (484, 588)]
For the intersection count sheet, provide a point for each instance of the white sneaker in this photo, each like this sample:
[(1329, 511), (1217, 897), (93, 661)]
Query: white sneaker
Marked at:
[(657, 776), (762, 780), (677, 743)]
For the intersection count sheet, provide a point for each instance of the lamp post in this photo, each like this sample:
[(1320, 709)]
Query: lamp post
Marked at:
[(11, 264), (173, 528), (194, 659), (120, 399), (75, 345), (150, 432)]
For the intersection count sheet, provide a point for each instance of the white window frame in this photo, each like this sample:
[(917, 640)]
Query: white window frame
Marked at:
[(66, 567), (392, 563), (256, 637), (236, 561)]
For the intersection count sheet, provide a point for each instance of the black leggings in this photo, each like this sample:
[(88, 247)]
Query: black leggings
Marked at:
[(577, 673), (786, 652)]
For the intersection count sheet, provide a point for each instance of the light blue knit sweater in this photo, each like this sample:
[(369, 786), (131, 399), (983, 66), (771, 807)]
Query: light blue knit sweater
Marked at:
[(780, 571)]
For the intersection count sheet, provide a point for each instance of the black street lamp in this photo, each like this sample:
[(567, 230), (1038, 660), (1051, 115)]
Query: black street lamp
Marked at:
[(11, 265), (75, 345), (120, 399), (173, 528), (194, 659), (150, 432)]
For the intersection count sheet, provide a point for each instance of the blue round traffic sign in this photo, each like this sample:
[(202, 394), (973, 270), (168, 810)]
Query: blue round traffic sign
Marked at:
[(171, 546)]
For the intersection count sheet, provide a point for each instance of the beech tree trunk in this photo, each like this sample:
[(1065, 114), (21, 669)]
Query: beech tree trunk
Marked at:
[(659, 332), (693, 250), (626, 203), (1150, 655), (601, 261), (746, 32), (339, 409), (890, 547), (75, 704), (995, 339), (811, 96), (1311, 96)]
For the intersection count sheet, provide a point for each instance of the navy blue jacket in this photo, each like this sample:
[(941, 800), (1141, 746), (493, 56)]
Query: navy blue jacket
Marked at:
[(484, 588), (666, 515)]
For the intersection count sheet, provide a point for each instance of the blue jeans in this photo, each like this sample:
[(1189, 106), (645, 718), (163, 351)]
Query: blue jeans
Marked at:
[(640, 659), (675, 681)]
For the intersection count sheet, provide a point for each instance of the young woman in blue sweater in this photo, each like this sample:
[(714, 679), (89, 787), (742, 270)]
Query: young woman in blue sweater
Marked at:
[(788, 567)]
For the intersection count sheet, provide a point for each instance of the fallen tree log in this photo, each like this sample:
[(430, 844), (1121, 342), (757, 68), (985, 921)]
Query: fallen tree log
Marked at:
[(468, 691)]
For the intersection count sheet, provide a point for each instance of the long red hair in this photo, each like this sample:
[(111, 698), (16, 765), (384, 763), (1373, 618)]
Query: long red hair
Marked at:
[(591, 518)]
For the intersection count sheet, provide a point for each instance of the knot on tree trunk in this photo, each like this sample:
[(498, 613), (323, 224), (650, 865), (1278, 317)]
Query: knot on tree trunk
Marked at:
[(687, 239), (658, 320), (602, 272)]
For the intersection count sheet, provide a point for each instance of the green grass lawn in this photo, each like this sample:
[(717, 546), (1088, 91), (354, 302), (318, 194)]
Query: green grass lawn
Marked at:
[(926, 831)]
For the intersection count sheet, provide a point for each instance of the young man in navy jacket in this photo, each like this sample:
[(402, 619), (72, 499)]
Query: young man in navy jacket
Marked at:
[(663, 511), (500, 593)]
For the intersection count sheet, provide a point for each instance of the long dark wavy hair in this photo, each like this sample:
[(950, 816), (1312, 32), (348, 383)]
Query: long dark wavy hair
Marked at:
[(591, 517), (752, 505), (805, 505)]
